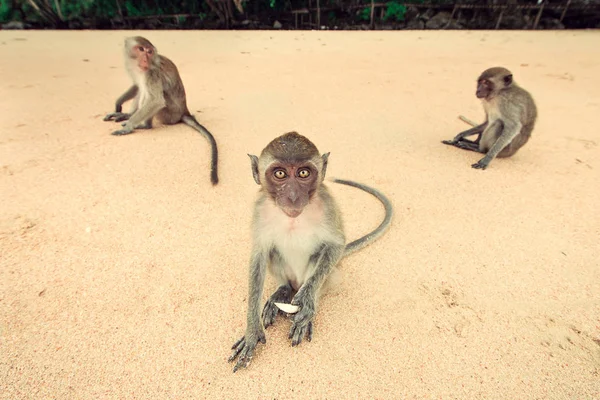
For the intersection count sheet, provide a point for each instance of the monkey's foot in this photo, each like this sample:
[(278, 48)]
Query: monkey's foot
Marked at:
[(449, 142), (122, 132), (117, 117), (302, 324), (145, 125), (297, 333), (245, 349), (481, 164), (467, 145), (282, 295)]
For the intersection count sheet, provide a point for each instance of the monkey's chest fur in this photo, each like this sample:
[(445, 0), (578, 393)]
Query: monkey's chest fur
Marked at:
[(294, 243), (492, 113)]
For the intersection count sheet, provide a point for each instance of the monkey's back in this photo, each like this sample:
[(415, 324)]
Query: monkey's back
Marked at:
[(173, 92), (518, 104), (526, 104)]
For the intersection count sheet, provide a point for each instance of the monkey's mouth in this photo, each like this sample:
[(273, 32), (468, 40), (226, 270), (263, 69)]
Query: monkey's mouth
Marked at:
[(291, 212)]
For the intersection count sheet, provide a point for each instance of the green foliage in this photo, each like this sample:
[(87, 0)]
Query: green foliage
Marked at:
[(6, 11), (132, 9), (109, 9), (365, 14), (394, 10), (74, 9), (103, 9)]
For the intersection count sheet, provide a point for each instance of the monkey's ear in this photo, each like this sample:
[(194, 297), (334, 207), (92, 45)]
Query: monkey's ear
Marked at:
[(507, 80), (254, 163), (325, 158)]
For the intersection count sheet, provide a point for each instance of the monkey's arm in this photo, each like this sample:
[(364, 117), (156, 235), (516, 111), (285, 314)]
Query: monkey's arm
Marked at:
[(244, 348), (118, 115), (128, 95), (151, 106), (477, 130), (511, 129), (324, 260)]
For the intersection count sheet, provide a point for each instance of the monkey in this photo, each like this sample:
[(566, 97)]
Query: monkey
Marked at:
[(157, 91), (510, 117), (298, 235)]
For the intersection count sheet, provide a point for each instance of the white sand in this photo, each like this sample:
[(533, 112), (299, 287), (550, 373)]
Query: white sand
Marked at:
[(123, 273)]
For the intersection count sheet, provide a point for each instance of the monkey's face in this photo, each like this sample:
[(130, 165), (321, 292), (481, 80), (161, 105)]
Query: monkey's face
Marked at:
[(485, 88), (492, 81), (143, 54), (291, 185)]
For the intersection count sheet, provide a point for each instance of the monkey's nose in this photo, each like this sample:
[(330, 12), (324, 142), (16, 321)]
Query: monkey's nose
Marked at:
[(293, 196)]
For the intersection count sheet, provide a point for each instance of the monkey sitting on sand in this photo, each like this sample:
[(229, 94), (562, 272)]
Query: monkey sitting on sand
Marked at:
[(158, 92), (510, 117), (298, 234)]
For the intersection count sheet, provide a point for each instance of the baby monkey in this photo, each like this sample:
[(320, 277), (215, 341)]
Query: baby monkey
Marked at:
[(298, 234), (158, 91), (510, 118)]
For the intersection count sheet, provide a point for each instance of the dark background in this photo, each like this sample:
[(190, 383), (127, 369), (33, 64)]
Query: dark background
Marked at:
[(299, 14)]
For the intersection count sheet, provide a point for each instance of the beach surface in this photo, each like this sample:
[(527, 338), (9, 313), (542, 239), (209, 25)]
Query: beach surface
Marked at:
[(124, 272)]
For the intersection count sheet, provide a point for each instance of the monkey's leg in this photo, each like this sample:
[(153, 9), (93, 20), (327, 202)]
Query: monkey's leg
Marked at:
[(282, 295), (469, 132), (476, 141), (510, 131), (145, 125), (244, 348), (466, 144), (306, 297), (118, 116), (146, 112)]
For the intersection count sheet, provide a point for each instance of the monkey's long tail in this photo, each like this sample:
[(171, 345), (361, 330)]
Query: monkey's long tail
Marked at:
[(191, 121), (381, 229)]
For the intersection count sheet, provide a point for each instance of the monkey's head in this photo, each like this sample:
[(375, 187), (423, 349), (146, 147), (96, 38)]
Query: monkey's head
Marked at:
[(290, 170), (141, 51), (492, 81)]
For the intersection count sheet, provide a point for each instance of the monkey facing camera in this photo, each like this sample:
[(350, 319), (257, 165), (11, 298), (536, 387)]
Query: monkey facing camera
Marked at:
[(298, 236), (158, 92), (510, 117)]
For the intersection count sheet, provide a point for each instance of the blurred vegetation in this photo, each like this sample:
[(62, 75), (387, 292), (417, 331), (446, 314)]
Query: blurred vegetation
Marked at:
[(63, 11), (252, 14), (60, 12)]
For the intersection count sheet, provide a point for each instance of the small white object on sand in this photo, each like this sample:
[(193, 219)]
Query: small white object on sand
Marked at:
[(288, 308)]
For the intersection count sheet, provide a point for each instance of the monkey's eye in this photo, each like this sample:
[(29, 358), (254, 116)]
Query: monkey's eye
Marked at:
[(280, 174), (149, 51), (140, 48), (304, 173)]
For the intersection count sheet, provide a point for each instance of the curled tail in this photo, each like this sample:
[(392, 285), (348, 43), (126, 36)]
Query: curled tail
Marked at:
[(191, 121), (380, 230)]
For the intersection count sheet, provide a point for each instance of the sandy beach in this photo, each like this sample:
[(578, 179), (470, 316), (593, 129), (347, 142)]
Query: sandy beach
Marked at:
[(123, 272)]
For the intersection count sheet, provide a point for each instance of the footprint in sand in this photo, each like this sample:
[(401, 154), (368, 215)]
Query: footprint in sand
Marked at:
[(454, 314), (559, 337), (18, 225)]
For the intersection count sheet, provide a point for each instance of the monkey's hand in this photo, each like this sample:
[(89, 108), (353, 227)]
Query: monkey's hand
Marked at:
[(302, 324), (481, 164), (122, 132), (117, 117), (450, 142), (244, 348), (283, 294), (269, 313)]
